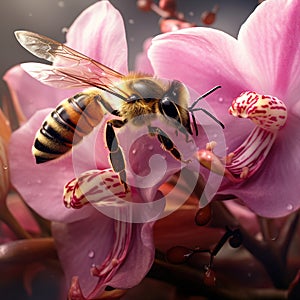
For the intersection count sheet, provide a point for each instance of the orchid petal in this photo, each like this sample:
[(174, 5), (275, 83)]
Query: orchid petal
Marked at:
[(42, 191), (270, 37), (96, 231), (204, 58), (34, 96), (276, 184), (99, 33), (142, 62)]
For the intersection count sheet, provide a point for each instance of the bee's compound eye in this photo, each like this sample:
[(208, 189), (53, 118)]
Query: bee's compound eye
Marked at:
[(169, 108)]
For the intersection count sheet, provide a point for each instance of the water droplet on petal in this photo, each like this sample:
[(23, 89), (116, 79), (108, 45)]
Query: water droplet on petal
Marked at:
[(290, 207), (5, 167), (91, 254), (150, 147), (133, 151), (221, 99)]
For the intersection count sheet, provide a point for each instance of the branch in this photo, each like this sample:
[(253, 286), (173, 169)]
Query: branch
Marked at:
[(188, 281)]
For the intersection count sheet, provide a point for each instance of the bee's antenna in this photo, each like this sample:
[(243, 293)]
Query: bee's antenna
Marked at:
[(203, 96), (209, 114), (192, 109)]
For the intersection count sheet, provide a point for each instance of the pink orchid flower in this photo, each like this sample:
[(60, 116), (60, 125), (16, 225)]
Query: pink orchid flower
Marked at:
[(262, 66), (97, 249)]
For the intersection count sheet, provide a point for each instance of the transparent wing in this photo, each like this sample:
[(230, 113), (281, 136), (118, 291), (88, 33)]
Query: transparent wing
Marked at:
[(70, 68)]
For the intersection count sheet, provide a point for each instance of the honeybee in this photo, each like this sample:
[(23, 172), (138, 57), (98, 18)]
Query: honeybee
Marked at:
[(141, 97)]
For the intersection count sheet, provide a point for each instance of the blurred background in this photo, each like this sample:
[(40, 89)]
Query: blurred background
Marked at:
[(53, 17)]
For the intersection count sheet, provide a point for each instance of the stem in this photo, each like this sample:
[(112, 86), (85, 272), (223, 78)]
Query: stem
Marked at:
[(188, 281), (269, 257), (159, 11), (287, 234), (27, 251), (272, 253), (265, 228), (7, 217)]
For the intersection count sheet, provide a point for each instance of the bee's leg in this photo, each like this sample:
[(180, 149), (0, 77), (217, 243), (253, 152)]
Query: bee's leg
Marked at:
[(116, 156), (188, 138), (108, 107), (166, 143)]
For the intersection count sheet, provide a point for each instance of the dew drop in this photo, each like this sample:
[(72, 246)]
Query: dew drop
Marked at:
[(91, 254), (131, 21), (5, 167), (290, 207), (150, 147), (133, 151), (221, 99)]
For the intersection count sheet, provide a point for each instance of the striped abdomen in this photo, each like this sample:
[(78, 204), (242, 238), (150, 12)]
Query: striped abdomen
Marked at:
[(65, 126)]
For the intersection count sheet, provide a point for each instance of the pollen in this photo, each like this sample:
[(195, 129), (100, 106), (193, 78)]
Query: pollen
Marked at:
[(267, 112)]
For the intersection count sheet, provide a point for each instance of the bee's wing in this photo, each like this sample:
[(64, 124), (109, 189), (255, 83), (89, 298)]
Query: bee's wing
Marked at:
[(70, 68)]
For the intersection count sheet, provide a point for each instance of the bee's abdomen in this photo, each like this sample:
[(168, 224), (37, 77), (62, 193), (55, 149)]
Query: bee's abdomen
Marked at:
[(65, 126)]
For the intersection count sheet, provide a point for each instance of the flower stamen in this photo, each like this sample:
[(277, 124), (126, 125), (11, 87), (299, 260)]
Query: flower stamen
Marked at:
[(114, 259)]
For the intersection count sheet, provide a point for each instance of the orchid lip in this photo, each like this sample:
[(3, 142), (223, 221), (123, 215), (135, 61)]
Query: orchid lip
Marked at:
[(269, 114)]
